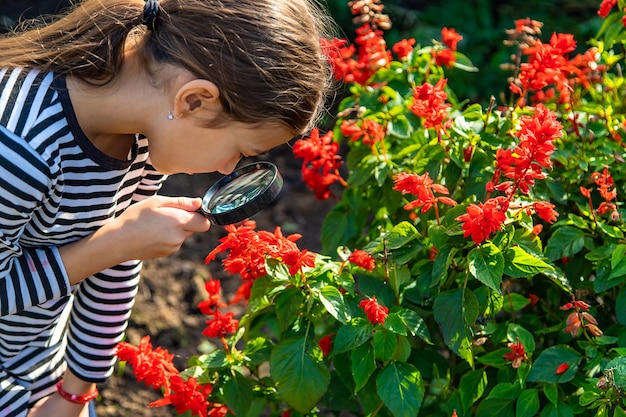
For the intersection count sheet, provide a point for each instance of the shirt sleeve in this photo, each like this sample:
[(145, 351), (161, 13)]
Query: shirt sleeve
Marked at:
[(14, 397), (102, 307), (28, 276)]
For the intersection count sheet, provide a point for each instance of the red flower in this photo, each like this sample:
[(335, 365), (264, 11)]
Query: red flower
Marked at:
[(243, 292), (217, 410), (606, 185), (549, 69), (546, 211), (210, 305), (186, 396), (372, 52), (450, 38), (339, 55), (296, 260), (586, 192), (429, 104), (246, 252), (605, 7), (326, 344), (524, 164), (533, 299), (481, 220), (375, 312), (528, 25), (221, 325), (369, 133), (422, 187), (578, 305), (362, 259), (154, 367), (320, 165), (562, 368), (573, 324), (516, 355), (403, 48), (445, 58)]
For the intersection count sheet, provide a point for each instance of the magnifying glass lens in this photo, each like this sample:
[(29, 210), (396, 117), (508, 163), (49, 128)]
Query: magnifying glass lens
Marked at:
[(243, 193)]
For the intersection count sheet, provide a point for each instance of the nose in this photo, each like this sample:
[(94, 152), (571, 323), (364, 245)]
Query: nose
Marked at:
[(229, 166)]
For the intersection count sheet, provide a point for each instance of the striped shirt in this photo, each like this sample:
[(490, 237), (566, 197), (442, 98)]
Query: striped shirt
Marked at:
[(56, 187)]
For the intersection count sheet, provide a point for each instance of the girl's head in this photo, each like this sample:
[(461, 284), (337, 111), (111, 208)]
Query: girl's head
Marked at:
[(264, 56)]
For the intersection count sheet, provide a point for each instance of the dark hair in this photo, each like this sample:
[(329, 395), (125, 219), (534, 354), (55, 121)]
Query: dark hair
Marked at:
[(264, 56)]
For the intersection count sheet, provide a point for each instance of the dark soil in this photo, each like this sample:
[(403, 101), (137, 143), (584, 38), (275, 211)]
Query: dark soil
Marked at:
[(166, 306)]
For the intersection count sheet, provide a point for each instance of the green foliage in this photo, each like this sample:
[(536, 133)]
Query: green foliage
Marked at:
[(514, 316)]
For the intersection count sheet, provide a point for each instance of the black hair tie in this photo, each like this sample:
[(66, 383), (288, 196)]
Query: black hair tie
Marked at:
[(150, 14)]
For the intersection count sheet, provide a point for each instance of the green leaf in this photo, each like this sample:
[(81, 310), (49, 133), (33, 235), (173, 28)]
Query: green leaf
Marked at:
[(394, 323), (558, 410), (617, 255), (400, 235), (352, 335), (519, 263), (617, 367), (612, 231), (288, 303), (301, 377), (527, 403), (401, 389), (472, 387), (544, 368), (237, 393), (363, 365), (566, 241), (500, 402), (486, 264), (619, 412), (332, 300), (551, 392), (257, 350), (215, 359), (496, 358), (442, 263), (514, 302), (415, 324), (385, 344), (619, 270), (399, 127), (588, 397), (456, 311)]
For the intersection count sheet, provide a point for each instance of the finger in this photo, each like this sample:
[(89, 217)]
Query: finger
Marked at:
[(198, 223), (182, 203)]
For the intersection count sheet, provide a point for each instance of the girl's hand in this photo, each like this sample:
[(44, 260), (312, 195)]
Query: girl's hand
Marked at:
[(55, 406), (152, 228), (157, 226)]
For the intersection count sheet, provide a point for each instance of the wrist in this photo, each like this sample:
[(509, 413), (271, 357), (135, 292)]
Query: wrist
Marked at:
[(77, 398)]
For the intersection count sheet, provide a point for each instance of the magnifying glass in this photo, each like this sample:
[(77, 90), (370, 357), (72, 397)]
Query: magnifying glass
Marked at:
[(244, 192)]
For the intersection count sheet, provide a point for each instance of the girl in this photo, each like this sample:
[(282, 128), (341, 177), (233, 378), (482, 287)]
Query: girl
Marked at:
[(95, 109)]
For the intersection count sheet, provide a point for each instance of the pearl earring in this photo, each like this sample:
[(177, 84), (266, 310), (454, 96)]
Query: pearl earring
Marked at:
[(170, 116)]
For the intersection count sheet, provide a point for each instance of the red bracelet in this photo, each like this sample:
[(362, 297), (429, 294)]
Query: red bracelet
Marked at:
[(73, 398)]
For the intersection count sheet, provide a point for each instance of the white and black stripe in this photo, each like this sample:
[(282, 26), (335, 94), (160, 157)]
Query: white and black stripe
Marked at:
[(56, 188)]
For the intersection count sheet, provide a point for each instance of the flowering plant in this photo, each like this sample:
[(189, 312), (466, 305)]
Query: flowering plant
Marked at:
[(474, 261)]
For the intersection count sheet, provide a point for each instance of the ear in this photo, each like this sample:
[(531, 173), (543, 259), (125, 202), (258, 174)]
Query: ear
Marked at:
[(196, 96)]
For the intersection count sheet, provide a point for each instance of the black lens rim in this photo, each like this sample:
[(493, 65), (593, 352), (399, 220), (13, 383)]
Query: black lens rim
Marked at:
[(245, 211)]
